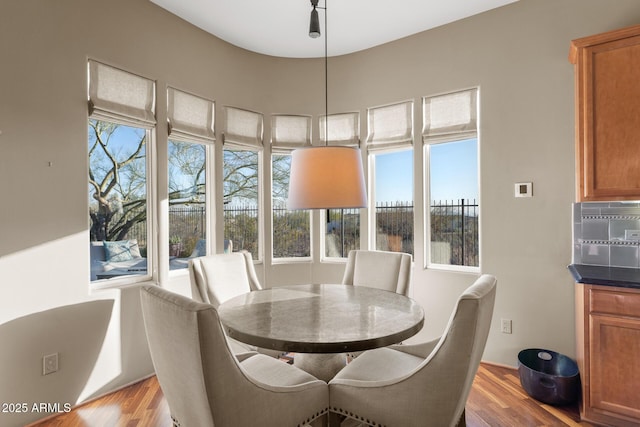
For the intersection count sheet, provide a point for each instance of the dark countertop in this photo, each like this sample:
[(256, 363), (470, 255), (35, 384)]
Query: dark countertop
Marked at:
[(607, 276)]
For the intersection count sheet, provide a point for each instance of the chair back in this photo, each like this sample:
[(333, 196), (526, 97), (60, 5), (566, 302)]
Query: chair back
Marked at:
[(453, 363), (390, 271), (203, 382), (182, 335), (218, 278)]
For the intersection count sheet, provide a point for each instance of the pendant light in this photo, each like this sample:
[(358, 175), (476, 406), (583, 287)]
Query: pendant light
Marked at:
[(325, 177)]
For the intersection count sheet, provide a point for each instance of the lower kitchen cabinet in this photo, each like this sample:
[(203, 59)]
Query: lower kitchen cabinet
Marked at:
[(608, 328)]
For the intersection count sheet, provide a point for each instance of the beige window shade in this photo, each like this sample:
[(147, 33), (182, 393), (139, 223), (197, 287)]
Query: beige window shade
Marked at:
[(243, 127), (343, 129), (452, 116), (390, 126), (121, 97), (289, 132), (190, 117)]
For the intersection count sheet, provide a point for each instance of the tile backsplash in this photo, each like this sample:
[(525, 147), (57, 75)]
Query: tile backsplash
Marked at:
[(606, 233)]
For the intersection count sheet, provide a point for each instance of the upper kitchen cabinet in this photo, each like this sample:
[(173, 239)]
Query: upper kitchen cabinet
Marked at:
[(607, 81)]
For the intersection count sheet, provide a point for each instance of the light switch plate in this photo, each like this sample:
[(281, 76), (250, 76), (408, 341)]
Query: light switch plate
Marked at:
[(523, 189)]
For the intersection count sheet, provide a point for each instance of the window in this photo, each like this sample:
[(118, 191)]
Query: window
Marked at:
[(451, 157), (342, 233), (390, 149), (291, 228), (187, 202), (121, 115), (191, 133), (241, 182)]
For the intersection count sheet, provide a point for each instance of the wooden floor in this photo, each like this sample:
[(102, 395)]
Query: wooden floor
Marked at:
[(496, 400)]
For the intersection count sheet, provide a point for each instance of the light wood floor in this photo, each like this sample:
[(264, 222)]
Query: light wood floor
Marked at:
[(496, 400)]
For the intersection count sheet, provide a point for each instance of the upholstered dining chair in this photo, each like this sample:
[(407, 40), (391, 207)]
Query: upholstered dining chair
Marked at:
[(386, 270), (390, 271), (206, 386), (424, 384), (218, 278)]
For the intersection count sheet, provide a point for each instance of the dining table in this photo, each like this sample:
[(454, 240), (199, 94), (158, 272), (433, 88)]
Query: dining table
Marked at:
[(320, 323)]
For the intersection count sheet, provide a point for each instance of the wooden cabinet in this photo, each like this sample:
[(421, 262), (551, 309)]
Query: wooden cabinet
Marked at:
[(607, 90), (609, 354)]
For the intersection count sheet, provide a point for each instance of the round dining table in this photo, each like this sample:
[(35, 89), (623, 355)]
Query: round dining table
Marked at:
[(327, 319)]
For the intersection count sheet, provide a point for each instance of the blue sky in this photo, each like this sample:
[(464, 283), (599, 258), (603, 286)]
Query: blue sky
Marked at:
[(453, 174)]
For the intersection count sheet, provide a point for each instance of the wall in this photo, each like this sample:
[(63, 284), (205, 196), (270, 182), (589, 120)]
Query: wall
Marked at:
[(517, 55)]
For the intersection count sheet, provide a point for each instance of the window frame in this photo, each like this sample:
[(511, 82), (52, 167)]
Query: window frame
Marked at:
[(372, 166), (285, 260), (191, 119), (209, 217), (151, 191), (451, 137), (284, 141), (340, 130), (134, 108), (259, 151), (383, 139)]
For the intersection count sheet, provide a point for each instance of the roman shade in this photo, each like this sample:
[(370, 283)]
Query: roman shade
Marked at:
[(243, 127), (343, 129), (450, 117), (289, 132), (120, 97), (390, 126), (190, 117)]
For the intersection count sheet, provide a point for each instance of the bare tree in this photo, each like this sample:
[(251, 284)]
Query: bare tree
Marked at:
[(117, 181)]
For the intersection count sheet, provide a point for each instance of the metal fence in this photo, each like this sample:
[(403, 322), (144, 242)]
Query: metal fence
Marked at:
[(241, 227), (394, 227), (454, 230)]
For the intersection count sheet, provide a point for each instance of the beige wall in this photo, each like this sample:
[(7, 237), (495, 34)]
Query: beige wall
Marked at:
[(517, 55)]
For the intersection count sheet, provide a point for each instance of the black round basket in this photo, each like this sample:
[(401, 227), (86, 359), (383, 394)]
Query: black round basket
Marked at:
[(548, 376)]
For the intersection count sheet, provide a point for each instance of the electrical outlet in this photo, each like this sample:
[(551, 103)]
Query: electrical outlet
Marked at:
[(49, 364), (505, 326)]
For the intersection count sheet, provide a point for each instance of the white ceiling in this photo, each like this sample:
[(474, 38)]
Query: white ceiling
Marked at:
[(280, 27)]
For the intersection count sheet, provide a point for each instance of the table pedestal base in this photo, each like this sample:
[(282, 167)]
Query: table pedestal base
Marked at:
[(323, 366)]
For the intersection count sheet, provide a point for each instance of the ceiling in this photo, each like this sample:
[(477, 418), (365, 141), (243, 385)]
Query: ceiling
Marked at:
[(281, 27)]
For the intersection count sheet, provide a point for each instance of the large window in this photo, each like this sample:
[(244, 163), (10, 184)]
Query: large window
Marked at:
[(342, 232), (390, 148), (187, 202), (191, 134), (291, 228), (119, 180), (241, 181), (117, 199), (393, 200), (451, 157)]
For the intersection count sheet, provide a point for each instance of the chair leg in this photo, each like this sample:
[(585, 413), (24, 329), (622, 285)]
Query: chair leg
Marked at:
[(335, 419), (323, 421), (462, 422)]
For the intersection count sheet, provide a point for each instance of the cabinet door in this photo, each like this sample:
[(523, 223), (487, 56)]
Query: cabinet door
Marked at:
[(615, 366), (608, 115)]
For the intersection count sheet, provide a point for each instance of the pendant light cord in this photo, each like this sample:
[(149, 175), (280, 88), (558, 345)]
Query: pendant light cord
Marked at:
[(326, 80)]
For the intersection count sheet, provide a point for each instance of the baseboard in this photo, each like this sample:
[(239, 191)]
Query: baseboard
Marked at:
[(499, 365)]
